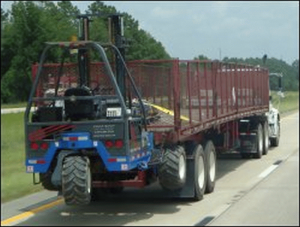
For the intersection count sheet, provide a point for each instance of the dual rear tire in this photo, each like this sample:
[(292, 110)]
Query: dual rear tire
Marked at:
[(205, 169), (173, 169)]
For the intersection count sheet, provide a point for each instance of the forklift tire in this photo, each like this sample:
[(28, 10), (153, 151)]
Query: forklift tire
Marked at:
[(76, 180), (210, 155), (199, 173), (259, 143), (45, 179), (266, 137), (172, 170)]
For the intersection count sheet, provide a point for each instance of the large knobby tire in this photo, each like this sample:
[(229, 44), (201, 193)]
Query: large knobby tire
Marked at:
[(210, 155), (172, 170), (45, 179), (274, 142), (199, 173), (76, 180), (266, 137), (259, 142)]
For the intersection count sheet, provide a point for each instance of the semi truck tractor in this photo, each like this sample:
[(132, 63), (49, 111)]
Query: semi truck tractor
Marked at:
[(97, 123)]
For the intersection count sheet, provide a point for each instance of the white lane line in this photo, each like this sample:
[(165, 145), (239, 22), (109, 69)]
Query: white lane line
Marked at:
[(268, 171)]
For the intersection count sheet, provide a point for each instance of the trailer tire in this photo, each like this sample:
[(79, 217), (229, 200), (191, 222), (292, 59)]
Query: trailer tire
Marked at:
[(45, 179), (210, 155), (76, 180), (172, 170), (259, 142), (266, 137), (199, 173), (274, 142)]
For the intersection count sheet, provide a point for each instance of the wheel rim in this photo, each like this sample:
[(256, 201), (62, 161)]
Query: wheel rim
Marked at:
[(212, 165), (181, 167), (201, 172)]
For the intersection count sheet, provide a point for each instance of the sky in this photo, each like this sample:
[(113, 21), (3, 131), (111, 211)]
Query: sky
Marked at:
[(216, 29)]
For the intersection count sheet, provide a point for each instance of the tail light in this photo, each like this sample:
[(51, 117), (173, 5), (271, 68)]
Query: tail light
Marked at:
[(109, 144), (44, 146), (119, 143), (34, 146), (116, 144)]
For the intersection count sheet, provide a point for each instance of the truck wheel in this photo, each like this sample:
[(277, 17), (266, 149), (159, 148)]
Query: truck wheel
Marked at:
[(172, 170), (266, 138), (200, 173), (76, 180), (210, 155), (274, 142), (259, 142)]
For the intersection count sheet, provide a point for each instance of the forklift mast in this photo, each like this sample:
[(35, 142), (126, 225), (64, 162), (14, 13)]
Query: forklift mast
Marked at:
[(116, 37), (116, 33)]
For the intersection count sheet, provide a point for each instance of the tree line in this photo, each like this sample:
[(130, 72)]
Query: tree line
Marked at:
[(290, 80), (29, 24)]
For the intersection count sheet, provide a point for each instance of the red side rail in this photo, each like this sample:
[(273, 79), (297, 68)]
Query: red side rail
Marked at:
[(194, 94)]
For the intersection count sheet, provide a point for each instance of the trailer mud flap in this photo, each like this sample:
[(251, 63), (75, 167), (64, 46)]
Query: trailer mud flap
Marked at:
[(248, 142)]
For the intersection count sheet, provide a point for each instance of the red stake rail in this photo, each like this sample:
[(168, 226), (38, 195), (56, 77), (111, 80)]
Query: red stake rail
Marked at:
[(195, 95)]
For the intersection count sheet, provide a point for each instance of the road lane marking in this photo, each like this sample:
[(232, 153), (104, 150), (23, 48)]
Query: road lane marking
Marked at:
[(213, 215), (30, 213), (268, 171)]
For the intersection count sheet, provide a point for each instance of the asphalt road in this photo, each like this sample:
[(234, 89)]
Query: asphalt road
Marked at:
[(248, 192)]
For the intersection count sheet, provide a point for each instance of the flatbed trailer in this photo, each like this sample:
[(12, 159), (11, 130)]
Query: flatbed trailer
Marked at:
[(225, 91), (113, 123)]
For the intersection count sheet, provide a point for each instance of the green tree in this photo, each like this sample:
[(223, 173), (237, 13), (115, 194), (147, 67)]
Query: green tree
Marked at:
[(19, 47), (31, 24), (290, 73), (295, 65), (6, 54), (201, 57)]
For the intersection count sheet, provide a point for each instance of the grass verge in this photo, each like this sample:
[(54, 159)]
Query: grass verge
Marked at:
[(289, 103), (15, 182), (14, 105)]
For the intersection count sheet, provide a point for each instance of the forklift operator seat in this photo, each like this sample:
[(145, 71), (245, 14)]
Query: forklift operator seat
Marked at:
[(79, 109)]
